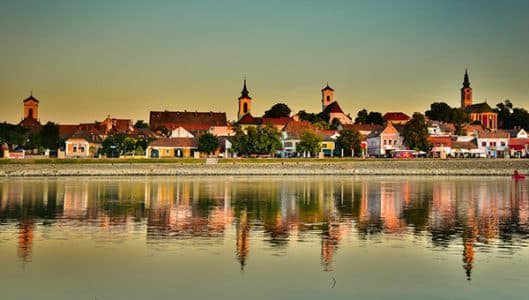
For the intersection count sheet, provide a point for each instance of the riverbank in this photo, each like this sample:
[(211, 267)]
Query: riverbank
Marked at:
[(418, 167)]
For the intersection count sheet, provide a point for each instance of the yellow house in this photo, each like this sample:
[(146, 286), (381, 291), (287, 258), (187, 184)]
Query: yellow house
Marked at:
[(82, 144), (173, 147)]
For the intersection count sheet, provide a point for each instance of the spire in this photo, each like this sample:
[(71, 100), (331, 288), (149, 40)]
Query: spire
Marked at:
[(244, 92), (466, 82)]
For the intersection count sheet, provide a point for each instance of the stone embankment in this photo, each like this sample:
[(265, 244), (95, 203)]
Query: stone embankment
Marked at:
[(421, 167)]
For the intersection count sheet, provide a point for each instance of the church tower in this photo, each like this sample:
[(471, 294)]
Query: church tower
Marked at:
[(245, 102), (466, 92), (31, 108), (327, 96)]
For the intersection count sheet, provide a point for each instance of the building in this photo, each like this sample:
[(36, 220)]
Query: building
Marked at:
[(382, 143), (494, 144), (478, 112), (245, 102), (398, 118), (83, 145), (332, 108), (291, 136), (519, 144), (194, 122), (181, 147), (31, 114)]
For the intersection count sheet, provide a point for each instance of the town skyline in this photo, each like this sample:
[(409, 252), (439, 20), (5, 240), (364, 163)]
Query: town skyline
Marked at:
[(85, 61)]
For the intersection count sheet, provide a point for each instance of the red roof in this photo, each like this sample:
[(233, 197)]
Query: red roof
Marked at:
[(295, 128), (247, 119), (67, 130), (396, 116), (276, 121), (333, 108), (438, 141), (186, 119), (494, 135), (518, 142), (175, 143), (363, 127)]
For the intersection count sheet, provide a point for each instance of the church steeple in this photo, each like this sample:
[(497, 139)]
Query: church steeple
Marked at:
[(466, 92), (245, 102), (466, 82)]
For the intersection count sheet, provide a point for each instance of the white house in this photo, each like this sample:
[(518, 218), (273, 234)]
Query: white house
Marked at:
[(381, 143), (494, 144)]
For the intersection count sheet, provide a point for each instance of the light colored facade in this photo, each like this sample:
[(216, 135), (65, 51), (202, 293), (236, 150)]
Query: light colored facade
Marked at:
[(81, 147), (173, 148), (494, 144), (382, 143)]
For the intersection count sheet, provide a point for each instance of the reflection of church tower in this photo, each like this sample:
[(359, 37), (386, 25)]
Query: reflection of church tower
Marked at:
[(25, 240), (466, 92), (327, 96), (329, 244), (245, 102), (469, 237), (243, 239)]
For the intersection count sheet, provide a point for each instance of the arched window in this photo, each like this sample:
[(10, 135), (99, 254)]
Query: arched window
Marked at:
[(245, 107), (30, 113), (328, 98)]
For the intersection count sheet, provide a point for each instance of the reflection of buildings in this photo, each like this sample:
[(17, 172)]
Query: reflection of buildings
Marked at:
[(286, 211)]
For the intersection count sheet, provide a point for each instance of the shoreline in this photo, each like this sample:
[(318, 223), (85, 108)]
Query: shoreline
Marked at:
[(389, 167)]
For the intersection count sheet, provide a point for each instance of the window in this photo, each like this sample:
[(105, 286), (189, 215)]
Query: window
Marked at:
[(503, 144), (483, 144), (74, 148), (245, 107), (493, 144), (328, 98)]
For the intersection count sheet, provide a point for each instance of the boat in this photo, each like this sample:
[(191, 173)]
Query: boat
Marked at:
[(518, 176)]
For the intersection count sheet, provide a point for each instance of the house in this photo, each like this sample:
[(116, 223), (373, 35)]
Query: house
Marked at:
[(441, 145), (381, 143), (396, 118), (331, 107), (194, 122), (291, 136), (182, 147), (180, 132), (466, 149), (519, 145), (365, 130), (494, 144), (83, 145), (440, 128)]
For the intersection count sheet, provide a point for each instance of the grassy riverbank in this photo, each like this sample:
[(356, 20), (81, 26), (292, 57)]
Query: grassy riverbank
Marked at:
[(229, 167)]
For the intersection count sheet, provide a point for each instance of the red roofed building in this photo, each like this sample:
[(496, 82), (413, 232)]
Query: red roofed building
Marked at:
[(191, 121), (396, 117), (332, 108), (173, 147)]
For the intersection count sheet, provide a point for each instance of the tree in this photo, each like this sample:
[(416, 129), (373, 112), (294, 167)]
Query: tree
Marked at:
[(240, 143), (309, 142), (439, 111), (313, 118), (277, 111), (140, 124), (13, 135), (256, 140), (365, 117), (335, 123), (416, 133), (48, 137), (361, 117), (115, 145), (350, 140), (208, 143)]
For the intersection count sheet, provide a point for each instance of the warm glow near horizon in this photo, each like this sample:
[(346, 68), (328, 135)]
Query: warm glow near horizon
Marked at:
[(85, 60)]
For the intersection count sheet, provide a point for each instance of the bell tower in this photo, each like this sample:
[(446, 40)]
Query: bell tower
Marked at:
[(327, 96), (245, 102), (31, 108), (466, 92)]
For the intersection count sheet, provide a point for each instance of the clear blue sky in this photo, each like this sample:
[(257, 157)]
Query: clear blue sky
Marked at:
[(87, 59)]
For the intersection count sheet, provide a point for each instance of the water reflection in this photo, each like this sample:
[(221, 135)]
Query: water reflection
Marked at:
[(469, 214)]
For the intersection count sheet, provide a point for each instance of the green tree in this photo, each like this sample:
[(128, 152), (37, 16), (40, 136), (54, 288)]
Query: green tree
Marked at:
[(13, 135), (140, 124), (277, 111), (439, 111), (350, 140), (240, 142), (309, 142), (139, 150), (208, 143), (416, 133), (365, 117), (48, 136), (115, 145), (264, 139), (335, 123)]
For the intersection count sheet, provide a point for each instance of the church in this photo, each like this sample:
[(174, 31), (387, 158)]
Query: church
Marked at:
[(481, 112)]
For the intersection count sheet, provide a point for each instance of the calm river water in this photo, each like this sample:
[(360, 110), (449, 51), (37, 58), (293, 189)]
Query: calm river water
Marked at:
[(264, 238)]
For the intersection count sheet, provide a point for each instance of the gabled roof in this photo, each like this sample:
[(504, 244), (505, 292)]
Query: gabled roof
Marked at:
[(175, 143), (67, 130), (438, 141), (334, 107), (479, 108), (493, 135), (89, 137), (30, 98), (248, 119), (327, 87), (294, 129), (31, 124), (188, 120), (395, 116), (518, 141)]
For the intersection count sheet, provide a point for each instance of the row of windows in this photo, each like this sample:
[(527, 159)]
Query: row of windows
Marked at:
[(78, 148), (492, 144), (390, 142)]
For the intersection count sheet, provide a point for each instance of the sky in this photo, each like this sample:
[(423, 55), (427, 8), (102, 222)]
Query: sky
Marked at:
[(85, 60)]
